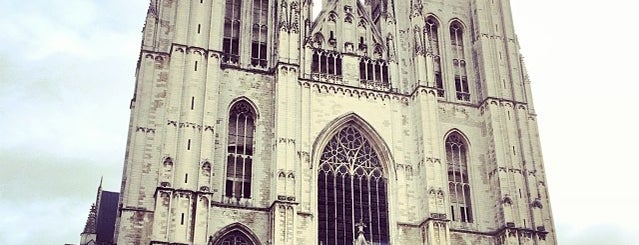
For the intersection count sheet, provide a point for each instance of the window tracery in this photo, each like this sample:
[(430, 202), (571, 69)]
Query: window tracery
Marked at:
[(245, 39), (326, 65), (373, 72), (260, 33), (240, 151), (459, 62), (458, 183), (432, 32), (231, 39), (351, 190), (234, 238)]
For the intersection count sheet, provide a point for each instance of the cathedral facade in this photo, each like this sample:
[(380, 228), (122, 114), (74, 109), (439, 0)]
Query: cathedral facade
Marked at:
[(374, 122)]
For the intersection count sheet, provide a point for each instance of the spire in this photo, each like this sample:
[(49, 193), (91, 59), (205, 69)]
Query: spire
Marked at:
[(99, 192)]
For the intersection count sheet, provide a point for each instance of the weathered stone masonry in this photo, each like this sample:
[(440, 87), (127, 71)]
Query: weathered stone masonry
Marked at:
[(409, 76)]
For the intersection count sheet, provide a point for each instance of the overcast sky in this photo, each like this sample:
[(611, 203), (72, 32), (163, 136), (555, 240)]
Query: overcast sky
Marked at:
[(67, 75)]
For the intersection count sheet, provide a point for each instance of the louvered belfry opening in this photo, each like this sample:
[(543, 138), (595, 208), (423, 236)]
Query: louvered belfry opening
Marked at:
[(351, 190)]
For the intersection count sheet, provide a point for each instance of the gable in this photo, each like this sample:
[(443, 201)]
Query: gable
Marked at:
[(347, 28)]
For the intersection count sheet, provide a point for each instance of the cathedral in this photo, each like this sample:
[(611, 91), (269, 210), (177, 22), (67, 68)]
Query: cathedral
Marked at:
[(258, 122)]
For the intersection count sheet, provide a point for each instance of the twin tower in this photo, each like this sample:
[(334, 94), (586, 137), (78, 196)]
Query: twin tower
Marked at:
[(256, 122)]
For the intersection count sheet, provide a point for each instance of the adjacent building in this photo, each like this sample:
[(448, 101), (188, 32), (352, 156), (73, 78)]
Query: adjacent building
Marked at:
[(100, 224)]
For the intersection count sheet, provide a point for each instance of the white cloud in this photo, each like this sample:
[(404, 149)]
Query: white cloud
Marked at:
[(580, 58)]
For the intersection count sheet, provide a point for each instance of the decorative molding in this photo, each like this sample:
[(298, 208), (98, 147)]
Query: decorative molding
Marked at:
[(433, 160), (289, 19), (537, 203), (145, 130), (303, 154), (438, 216), (286, 140), (507, 200), (358, 92), (191, 125)]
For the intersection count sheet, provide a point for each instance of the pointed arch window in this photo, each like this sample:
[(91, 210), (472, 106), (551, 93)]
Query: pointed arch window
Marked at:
[(231, 39), (234, 238), (260, 33), (351, 190), (458, 184), (240, 151), (432, 31), (459, 62)]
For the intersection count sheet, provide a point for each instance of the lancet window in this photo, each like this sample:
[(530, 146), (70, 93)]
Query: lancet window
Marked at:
[(351, 190), (234, 238), (432, 32), (326, 63), (231, 39), (459, 62), (373, 71), (458, 184), (260, 33), (240, 151)]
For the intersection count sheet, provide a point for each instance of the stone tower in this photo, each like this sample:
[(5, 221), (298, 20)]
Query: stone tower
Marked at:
[(375, 122)]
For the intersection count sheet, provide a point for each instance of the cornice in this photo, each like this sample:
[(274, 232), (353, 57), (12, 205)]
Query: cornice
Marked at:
[(352, 91)]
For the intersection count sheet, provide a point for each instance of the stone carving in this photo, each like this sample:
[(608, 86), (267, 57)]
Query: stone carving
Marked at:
[(190, 125), (145, 130)]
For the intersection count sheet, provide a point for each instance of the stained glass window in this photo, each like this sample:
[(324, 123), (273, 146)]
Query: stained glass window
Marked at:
[(351, 190), (234, 238)]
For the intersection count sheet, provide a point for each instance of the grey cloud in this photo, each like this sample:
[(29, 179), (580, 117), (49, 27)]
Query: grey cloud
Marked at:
[(48, 196)]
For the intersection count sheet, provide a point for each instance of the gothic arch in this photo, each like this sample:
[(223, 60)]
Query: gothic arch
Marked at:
[(434, 17), (458, 162), (240, 144), (247, 100), (461, 24), (369, 133), (457, 131), (437, 24), (353, 160), (237, 229)]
